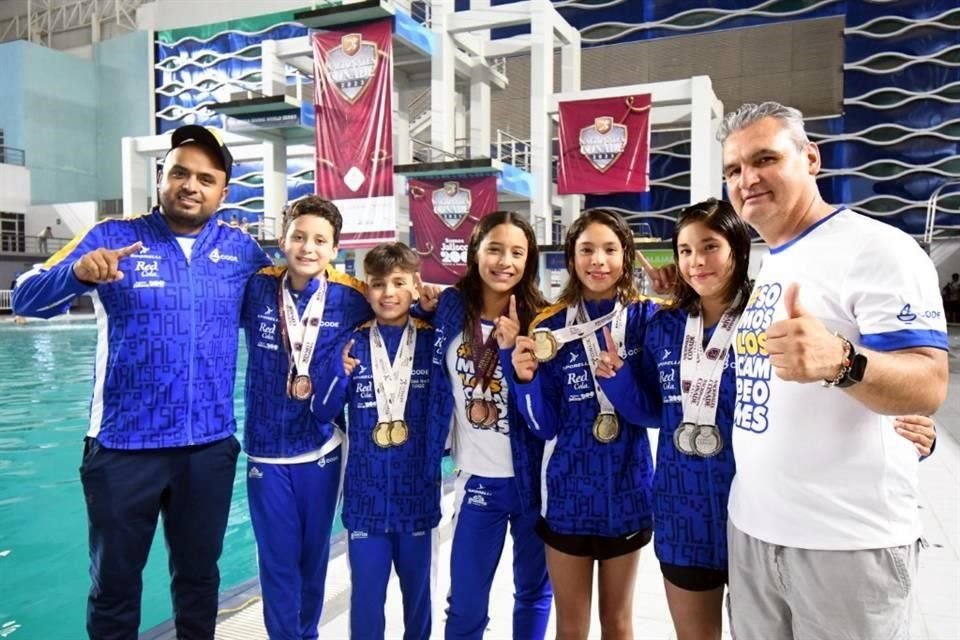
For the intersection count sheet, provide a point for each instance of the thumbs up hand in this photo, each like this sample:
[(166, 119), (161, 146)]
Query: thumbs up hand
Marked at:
[(802, 349)]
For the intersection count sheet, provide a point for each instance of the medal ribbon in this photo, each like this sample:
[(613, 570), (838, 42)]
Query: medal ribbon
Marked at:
[(575, 329), (300, 336), (391, 381), (485, 355), (592, 345), (700, 371)]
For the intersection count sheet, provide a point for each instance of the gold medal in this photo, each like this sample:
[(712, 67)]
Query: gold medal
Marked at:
[(707, 441), (606, 427), (381, 435), (301, 388), (545, 345), (398, 432)]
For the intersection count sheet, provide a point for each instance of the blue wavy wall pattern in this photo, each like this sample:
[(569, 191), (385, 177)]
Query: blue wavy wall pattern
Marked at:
[(897, 140)]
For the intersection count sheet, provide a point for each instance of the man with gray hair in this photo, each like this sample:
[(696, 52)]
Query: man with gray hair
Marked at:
[(836, 340)]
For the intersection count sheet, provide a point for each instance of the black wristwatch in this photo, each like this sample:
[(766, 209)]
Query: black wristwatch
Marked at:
[(856, 370)]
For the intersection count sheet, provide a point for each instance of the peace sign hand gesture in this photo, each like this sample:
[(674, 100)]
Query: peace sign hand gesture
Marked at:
[(610, 361)]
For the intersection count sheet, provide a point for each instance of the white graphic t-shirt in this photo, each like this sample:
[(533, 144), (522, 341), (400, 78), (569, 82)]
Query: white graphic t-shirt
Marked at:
[(479, 450), (816, 469)]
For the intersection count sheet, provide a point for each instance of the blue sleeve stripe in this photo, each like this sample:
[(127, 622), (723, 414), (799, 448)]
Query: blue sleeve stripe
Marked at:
[(906, 339)]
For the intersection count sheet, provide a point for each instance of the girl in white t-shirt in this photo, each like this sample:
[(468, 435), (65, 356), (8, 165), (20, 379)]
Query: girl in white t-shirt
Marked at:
[(498, 459)]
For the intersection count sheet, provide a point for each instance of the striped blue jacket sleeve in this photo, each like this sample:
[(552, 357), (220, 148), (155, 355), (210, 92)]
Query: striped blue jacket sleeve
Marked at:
[(48, 290)]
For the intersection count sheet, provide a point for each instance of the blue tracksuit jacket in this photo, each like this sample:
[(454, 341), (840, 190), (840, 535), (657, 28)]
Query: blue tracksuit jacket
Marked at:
[(590, 488), (527, 449), (278, 426), (393, 489), (167, 332), (690, 492)]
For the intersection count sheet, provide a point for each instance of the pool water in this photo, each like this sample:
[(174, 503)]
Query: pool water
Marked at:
[(45, 385)]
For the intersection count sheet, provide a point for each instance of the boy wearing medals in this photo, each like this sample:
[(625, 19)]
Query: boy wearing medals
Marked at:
[(391, 491), (293, 317)]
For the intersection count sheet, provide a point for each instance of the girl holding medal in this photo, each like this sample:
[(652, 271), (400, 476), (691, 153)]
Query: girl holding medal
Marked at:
[(597, 466), (688, 387), (293, 317), (498, 460)]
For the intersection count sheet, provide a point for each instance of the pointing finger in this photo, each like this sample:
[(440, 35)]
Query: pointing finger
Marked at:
[(129, 250), (513, 309)]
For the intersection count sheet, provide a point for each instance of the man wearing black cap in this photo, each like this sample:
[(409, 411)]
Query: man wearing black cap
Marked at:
[(167, 289)]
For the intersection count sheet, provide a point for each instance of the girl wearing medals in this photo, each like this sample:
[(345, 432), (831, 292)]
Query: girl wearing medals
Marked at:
[(596, 464), (498, 460), (688, 387), (293, 317)]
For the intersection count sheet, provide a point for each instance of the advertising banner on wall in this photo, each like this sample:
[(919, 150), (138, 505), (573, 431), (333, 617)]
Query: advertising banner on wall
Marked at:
[(444, 213), (353, 71), (604, 145)]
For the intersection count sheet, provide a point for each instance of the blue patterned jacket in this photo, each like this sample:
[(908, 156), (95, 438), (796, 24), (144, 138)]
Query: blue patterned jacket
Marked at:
[(167, 332)]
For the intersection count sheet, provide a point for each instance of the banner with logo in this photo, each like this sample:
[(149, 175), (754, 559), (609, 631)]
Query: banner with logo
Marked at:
[(604, 145), (353, 69), (444, 213)]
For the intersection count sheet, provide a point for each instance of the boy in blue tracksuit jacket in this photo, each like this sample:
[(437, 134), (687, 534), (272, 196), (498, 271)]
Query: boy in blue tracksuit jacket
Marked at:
[(590, 489), (167, 288), (391, 491), (293, 458)]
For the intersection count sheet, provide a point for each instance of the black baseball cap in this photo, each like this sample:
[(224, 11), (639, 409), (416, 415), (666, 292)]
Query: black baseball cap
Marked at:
[(207, 138)]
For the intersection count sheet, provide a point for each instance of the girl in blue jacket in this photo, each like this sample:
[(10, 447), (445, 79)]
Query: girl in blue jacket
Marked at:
[(695, 463), (596, 467), (498, 460)]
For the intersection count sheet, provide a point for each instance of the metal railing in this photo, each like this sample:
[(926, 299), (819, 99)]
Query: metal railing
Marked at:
[(12, 155), (30, 245), (422, 151), (5, 299), (512, 150)]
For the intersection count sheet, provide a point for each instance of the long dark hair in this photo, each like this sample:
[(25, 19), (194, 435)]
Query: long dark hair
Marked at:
[(626, 287), (720, 217), (529, 299)]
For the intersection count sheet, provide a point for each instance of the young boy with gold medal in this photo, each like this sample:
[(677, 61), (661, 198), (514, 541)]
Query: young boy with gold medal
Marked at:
[(391, 490)]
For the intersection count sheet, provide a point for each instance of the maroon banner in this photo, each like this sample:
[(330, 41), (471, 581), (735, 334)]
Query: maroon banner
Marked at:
[(353, 72), (604, 145), (443, 213)]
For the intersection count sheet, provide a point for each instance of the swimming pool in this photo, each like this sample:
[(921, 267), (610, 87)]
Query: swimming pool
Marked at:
[(45, 385)]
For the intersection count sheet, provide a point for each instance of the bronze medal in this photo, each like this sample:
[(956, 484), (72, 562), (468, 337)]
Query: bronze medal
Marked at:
[(477, 411), (301, 388), (606, 427), (707, 441), (545, 345), (683, 438), (381, 434), (493, 413), (398, 432)]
